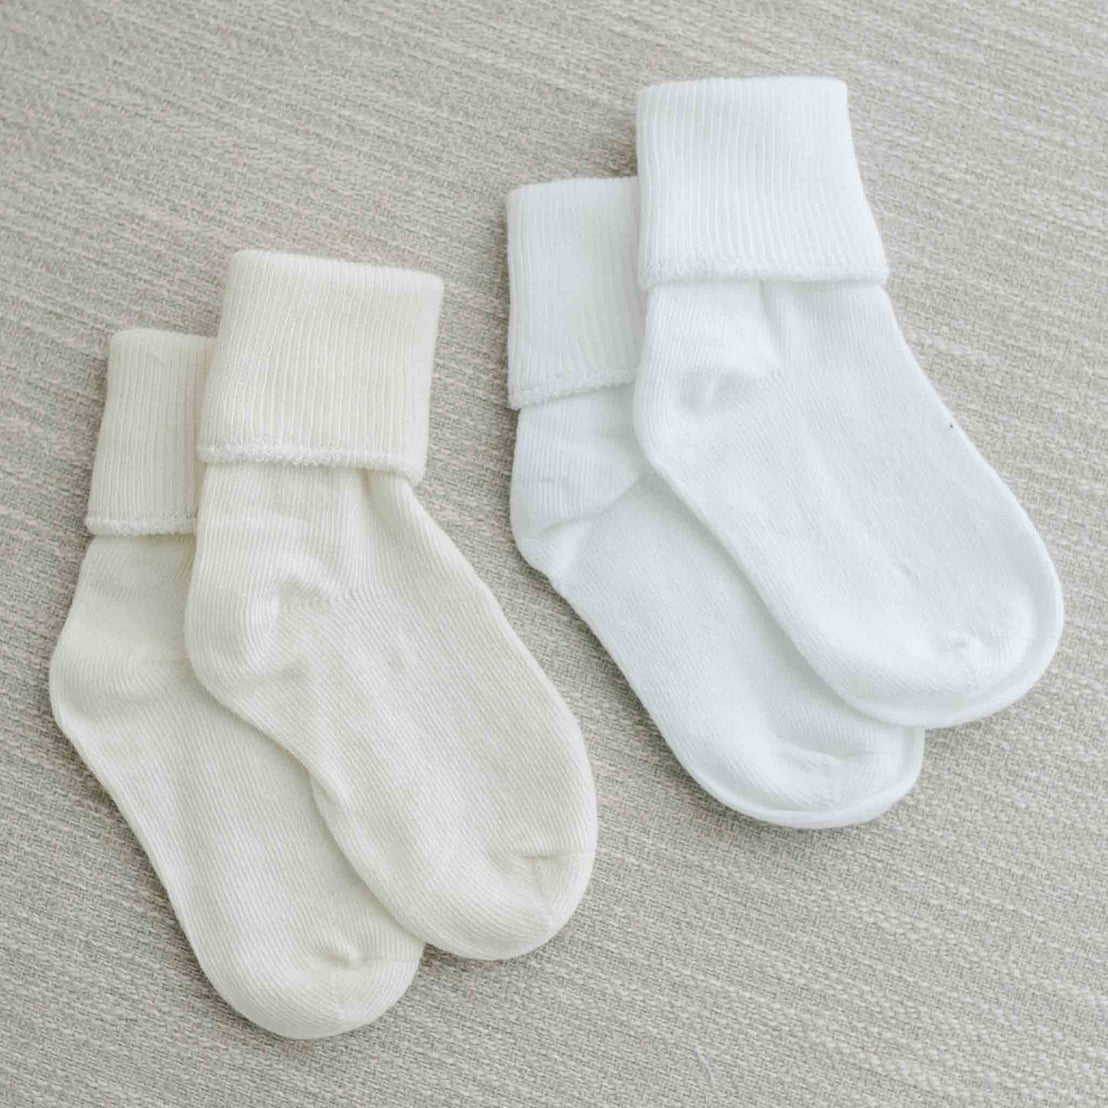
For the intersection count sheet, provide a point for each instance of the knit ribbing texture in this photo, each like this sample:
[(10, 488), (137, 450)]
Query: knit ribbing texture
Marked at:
[(778, 398), (329, 610), (322, 362), (279, 922), (145, 475), (741, 710), (752, 178)]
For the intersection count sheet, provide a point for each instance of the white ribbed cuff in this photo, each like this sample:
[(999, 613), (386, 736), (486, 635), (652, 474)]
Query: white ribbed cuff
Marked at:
[(321, 362), (146, 476), (752, 178), (576, 314)]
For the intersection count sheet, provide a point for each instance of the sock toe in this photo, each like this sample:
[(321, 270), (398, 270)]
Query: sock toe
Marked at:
[(815, 786), (560, 880), (318, 1000), (864, 785), (530, 898), (967, 677)]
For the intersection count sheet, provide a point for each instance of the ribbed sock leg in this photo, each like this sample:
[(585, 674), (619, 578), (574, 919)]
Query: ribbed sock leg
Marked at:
[(740, 708), (329, 610), (281, 925), (779, 400)]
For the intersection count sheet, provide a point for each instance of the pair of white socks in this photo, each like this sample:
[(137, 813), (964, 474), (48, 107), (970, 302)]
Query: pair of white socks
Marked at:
[(310, 710), (732, 467)]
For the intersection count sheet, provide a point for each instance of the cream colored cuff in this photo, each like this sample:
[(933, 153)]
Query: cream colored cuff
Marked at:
[(146, 477), (322, 362)]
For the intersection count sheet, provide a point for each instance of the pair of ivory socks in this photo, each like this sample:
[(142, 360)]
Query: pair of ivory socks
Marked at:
[(730, 464), (310, 710)]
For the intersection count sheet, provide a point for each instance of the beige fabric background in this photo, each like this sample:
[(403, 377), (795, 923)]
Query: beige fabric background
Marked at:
[(954, 952)]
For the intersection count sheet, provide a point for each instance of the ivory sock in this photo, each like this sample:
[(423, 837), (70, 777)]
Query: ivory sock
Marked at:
[(741, 710), (330, 611), (281, 925), (780, 401)]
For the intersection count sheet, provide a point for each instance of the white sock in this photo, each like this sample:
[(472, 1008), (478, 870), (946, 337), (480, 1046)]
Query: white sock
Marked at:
[(329, 610), (778, 398), (740, 708), (281, 925)]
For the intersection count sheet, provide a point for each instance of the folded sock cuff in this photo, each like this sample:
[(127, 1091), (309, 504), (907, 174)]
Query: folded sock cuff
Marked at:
[(576, 320), (146, 476), (753, 178), (322, 362)]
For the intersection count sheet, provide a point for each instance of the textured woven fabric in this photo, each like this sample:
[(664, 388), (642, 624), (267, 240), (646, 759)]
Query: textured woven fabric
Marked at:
[(954, 951)]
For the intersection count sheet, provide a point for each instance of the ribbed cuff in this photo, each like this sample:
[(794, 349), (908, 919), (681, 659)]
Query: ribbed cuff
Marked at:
[(752, 178), (576, 316), (321, 362), (146, 477)]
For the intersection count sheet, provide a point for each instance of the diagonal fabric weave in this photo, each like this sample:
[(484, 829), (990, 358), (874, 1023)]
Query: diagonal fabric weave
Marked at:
[(952, 952)]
